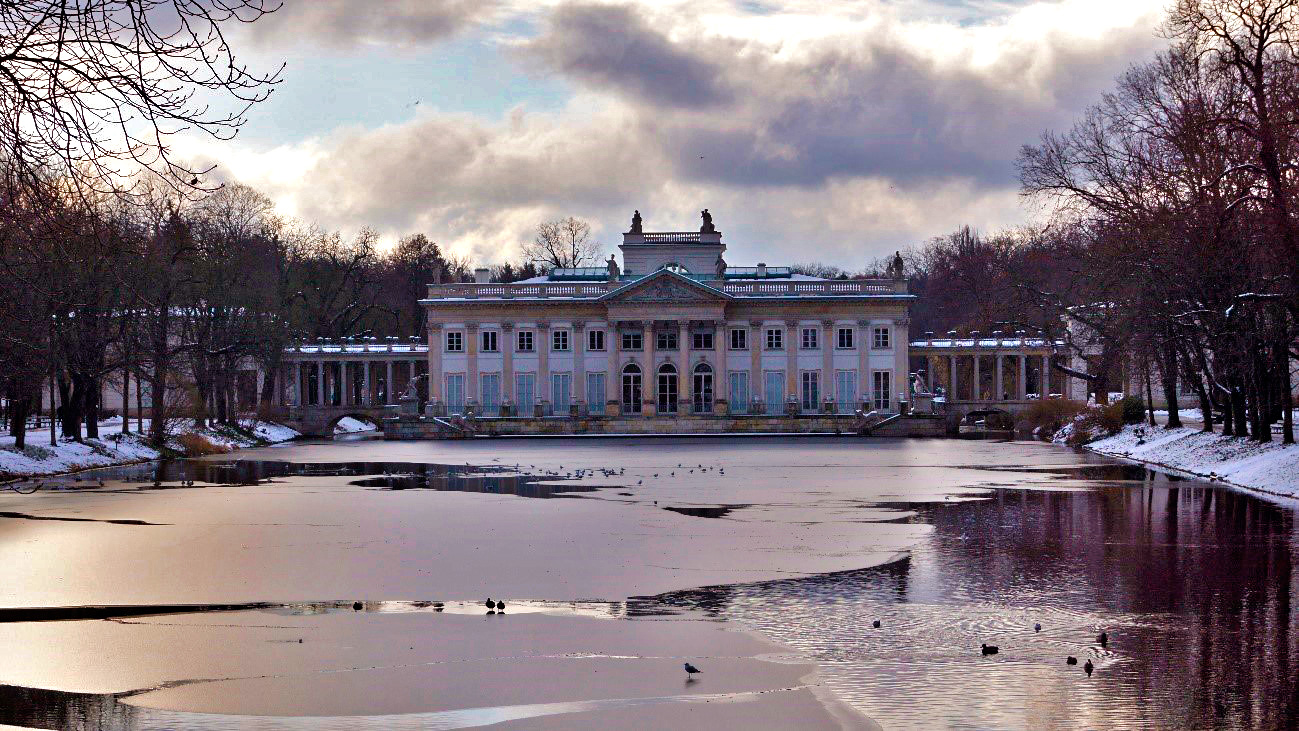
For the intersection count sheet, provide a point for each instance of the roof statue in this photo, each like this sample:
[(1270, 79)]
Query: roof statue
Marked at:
[(721, 267), (613, 263), (635, 223), (897, 268), (708, 227)]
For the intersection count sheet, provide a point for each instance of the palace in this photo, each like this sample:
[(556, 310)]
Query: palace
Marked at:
[(673, 331)]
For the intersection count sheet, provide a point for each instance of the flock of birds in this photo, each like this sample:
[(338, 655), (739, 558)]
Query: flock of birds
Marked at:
[(1103, 639)]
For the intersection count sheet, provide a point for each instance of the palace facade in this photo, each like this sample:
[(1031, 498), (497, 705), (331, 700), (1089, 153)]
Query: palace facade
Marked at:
[(672, 331)]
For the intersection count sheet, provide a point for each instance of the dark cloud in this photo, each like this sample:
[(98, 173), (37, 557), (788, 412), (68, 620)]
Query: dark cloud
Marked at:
[(344, 23), (614, 48)]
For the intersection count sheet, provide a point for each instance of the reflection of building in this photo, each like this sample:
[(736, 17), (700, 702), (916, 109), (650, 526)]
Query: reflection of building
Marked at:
[(673, 331)]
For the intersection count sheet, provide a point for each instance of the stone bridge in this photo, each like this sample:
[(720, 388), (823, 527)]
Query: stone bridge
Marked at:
[(363, 378)]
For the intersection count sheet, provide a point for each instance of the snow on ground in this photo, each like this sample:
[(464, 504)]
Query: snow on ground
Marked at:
[(1271, 468), (349, 425), (113, 448)]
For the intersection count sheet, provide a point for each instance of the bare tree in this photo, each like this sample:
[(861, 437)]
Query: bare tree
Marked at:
[(562, 244), (94, 91)]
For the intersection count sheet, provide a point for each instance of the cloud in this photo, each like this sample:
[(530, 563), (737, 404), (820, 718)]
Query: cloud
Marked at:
[(345, 23), (836, 134)]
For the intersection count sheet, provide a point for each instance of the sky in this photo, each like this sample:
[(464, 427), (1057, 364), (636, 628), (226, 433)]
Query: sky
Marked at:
[(834, 131)]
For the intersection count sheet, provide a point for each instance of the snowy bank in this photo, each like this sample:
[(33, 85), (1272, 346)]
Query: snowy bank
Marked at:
[(1271, 468), (115, 448)]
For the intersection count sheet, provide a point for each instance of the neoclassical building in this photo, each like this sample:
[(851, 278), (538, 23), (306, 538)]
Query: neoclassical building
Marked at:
[(672, 331)]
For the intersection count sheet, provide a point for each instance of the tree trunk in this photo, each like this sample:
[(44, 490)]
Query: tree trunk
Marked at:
[(126, 396), (19, 409), (1168, 376), (1228, 417), (1150, 396), (91, 408)]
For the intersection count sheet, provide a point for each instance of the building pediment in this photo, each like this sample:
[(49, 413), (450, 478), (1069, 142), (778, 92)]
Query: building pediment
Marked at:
[(667, 287)]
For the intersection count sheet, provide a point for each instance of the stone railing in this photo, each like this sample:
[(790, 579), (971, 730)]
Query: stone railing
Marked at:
[(763, 288)]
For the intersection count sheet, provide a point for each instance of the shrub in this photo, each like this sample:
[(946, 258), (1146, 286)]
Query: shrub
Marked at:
[(1046, 417), (1096, 422), (1134, 409), (197, 445)]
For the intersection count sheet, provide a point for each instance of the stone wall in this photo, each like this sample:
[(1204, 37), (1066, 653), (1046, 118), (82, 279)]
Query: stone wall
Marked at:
[(908, 426)]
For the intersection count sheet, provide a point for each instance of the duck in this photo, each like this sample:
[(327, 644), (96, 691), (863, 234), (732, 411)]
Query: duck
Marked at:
[(1104, 639), (1071, 660), (500, 605), (876, 624), (1088, 667), (1037, 627), (489, 603), (990, 649), (357, 606)]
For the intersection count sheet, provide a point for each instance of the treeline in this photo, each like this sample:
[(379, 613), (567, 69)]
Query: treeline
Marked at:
[(1173, 244), (178, 295)]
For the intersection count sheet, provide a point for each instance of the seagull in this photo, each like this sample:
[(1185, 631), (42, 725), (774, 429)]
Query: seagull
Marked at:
[(990, 649), (1088, 668), (691, 669), (490, 604), (1071, 660), (1104, 639), (639, 482), (1037, 627)]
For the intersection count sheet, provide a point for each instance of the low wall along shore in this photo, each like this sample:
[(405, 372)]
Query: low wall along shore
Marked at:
[(408, 427)]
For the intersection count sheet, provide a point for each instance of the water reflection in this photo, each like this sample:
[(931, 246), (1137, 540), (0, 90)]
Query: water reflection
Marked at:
[(1193, 584)]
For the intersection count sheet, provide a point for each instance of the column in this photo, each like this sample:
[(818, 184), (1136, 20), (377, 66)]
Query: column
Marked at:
[(297, 384), (902, 359), (757, 381), (434, 367), (721, 374), (367, 396), (978, 384), (791, 361), (320, 382), (951, 386), (612, 344), (346, 373), (387, 385), (507, 363), (472, 385), (543, 362), (1022, 388), (827, 360), (864, 380), (649, 379), (1000, 394), (579, 362), (684, 381), (1046, 376)]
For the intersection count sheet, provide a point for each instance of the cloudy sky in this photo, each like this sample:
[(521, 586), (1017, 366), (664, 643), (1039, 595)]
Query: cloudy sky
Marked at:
[(826, 130)]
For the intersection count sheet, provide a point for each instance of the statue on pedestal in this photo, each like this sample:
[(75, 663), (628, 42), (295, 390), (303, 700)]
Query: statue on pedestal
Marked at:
[(635, 223), (614, 271), (708, 227), (897, 269), (720, 267)]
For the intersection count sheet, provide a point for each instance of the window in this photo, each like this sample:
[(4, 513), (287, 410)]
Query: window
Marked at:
[(775, 338), (631, 389), (773, 389), (595, 393), (810, 392), (559, 340), (739, 392), (525, 341), (845, 391), (809, 338), (702, 341), (632, 340), (882, 393), (667, 389), (595, 340), (739, 339), (455, 393), (702, 389), (455, 342), (491, 392), (845, 338), (490, 341), (881, 338), (666, 341), (561, 392), (525, 393)]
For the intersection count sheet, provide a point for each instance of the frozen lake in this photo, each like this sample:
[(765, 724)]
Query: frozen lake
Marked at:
[(764, 561)]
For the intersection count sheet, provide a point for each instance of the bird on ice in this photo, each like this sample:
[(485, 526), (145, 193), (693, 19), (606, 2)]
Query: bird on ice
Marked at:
[(691, 670)]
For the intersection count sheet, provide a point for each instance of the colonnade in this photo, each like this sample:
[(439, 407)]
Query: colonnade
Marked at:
[(1014, 375)]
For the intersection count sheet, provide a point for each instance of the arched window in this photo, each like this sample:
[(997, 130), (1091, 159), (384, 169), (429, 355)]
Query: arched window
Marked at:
[(667, 389), (702, 391), (631, 389)]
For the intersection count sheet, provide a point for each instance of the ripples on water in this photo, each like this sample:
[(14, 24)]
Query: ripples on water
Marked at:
[(1193, 584)]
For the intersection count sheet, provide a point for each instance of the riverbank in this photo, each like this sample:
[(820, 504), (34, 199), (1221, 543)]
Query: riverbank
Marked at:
[(114, 448), (1271, 468)]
